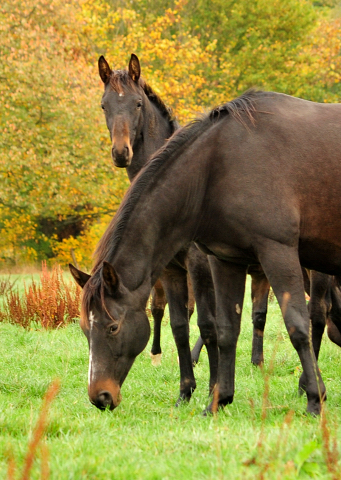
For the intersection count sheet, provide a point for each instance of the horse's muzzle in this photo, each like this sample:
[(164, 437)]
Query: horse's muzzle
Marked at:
[(121, 158), (105, 394)]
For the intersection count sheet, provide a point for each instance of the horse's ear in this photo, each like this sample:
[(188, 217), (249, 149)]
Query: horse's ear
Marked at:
[(104, 69), (134, 68), (80, 277), (110, 278)]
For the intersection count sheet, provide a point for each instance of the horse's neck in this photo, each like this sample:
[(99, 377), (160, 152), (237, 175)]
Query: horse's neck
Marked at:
[(155, 131), (159, 225)]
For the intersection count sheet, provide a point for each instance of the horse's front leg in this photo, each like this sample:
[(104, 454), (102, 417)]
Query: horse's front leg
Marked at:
[(158, 304), (260, 288), (174, 281), (200, 272), (282, 268), (229, 285)]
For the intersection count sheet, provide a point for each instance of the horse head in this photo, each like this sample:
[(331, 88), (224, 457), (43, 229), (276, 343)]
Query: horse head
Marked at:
[(122, 103), (117, 328)]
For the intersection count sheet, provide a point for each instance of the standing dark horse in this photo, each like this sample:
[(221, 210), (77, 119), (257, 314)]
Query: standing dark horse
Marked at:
[(139, 123), (257, 181)]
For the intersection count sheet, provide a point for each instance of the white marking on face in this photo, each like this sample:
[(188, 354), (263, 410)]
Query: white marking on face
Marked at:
[(121, 94), (238, 309), (91, 363)]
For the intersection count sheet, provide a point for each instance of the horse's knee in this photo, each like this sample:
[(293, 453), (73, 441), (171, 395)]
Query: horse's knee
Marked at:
[(208, 331), (259, 320), (227, 340), (299, 336)]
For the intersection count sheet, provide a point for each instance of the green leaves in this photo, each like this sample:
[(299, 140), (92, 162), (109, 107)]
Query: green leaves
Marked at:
[(302, 457)]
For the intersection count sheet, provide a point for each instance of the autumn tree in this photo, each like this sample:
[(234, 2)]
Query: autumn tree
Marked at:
[(58, 186), (56, 175)]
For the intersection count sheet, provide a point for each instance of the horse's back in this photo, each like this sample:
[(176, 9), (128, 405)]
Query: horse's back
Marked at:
[(278, 177)]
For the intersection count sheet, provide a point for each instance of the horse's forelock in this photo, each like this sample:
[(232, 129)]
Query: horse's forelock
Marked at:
[(91, 291), (120, 79)]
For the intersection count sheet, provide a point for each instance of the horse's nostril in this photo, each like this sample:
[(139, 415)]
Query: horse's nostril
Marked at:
[(104, 399)]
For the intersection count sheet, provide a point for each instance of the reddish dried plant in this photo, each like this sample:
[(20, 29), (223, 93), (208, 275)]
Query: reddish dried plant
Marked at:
[(51, 302)]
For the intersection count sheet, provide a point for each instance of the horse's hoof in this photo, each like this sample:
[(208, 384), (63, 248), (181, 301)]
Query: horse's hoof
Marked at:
[(257, 363), (183, 399), (314, 409), (156, 359)]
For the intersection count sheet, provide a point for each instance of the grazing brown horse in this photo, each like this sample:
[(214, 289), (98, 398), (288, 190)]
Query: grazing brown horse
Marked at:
[(255, 182), (139, 123)]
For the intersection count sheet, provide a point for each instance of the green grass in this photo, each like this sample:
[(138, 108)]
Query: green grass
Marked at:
[(146, 437)]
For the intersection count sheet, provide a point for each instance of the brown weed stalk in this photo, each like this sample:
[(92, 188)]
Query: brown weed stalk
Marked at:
[(329, 447), (51, 302), (36, 440)]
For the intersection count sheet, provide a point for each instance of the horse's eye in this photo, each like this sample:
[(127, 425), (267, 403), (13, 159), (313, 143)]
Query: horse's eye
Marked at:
[(113, 328), (139, 104)]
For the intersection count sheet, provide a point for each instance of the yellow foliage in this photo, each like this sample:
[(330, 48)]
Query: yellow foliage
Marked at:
[(81, 247), (173, 64)]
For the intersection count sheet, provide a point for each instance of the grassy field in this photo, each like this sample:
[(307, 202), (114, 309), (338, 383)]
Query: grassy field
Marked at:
[(258, 436)]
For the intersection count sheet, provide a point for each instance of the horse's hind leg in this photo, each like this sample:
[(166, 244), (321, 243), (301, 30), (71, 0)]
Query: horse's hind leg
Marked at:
[(158, 304), (282, 268), (318, 308), (199, 269), (260, 288), (229, 285), (174, 281), (333, 332), (191, 297), (196, 350), (334, 317)]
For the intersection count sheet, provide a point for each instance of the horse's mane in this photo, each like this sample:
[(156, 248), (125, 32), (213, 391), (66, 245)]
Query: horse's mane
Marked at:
[(241, 108), (120, 78)]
